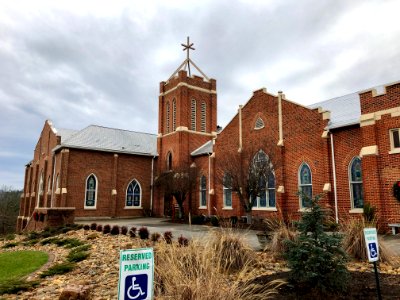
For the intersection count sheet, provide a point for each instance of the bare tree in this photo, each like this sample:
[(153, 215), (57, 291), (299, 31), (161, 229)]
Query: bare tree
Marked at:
[(247, 173), (179, 183), (9, 207)]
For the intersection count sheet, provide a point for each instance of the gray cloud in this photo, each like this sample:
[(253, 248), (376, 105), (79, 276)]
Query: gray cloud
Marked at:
[(81, 65)]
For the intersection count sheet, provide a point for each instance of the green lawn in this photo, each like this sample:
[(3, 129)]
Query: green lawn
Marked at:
[(16, 264)]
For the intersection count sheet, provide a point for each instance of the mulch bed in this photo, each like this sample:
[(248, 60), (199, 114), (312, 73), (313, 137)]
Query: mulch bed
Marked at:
[(362, 285)]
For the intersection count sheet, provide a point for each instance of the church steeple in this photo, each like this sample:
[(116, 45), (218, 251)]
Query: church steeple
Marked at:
[(187, 112)]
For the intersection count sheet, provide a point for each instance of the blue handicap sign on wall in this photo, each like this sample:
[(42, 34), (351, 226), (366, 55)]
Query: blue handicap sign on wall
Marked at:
[(373, 250), (136, 287)]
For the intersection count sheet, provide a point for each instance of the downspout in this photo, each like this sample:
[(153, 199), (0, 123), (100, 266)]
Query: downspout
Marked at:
[(52, 185), (152, 186), (209, 184), (334, 180)]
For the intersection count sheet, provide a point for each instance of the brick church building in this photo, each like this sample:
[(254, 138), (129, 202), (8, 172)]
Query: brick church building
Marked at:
[(346, 148)]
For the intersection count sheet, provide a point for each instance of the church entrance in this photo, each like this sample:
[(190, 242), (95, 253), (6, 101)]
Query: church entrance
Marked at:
[(168, 201)]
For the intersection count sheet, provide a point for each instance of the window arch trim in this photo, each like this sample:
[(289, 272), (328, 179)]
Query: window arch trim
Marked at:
[(91, 193)]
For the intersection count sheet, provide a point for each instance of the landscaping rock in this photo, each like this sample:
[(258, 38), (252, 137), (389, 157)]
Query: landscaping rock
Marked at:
[(75, 292)]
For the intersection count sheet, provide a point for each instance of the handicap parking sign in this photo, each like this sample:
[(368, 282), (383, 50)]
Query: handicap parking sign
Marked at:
[(136, 287), (371, 241), (136, 274)]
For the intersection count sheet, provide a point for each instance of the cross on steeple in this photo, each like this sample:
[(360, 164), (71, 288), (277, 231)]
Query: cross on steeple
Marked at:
[(187, 48), (187, 62)]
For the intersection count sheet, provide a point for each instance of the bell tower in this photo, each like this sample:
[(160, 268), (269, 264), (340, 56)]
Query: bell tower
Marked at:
[(187, 116)]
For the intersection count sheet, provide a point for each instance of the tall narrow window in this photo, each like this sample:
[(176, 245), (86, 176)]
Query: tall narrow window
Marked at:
[(48, 185), (203, 116), (91, 191), (169, 161), (356, 188), (203, 191), (227, 191), (40, 190), (133, 195), (57, 182), (395, 139), (305, 185), (167, 118), (271, 190), (173, 115), (193, 115)]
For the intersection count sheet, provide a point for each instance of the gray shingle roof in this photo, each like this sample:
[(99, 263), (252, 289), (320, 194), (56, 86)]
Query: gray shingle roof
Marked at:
[(113, 140), (345, 110), (206, 148)]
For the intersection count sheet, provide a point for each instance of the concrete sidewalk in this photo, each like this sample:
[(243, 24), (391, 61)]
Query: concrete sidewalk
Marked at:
[(200, 231)]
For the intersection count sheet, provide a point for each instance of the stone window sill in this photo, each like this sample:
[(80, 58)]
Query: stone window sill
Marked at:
[(133, 207), (356, 211), (227, 208), (203, 207), (265, 208), (394, 151)]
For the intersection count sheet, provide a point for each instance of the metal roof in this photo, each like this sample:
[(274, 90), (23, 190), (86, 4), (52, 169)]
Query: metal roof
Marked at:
[(206, 148), (345, 110), (65, 133), (107, 139)]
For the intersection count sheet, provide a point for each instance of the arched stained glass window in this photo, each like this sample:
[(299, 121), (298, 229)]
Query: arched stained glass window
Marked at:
[(203, 191), (227, 190), (133, 195), (91, 191), (356, 187), (305, 185), (263, 171), (193, 115)]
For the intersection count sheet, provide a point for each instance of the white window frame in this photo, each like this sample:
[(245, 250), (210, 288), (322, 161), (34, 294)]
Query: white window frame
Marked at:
[(351, 182), (393, 149), (267, 189), (304, 185), (201, 189), (96, 191), (140, 198)]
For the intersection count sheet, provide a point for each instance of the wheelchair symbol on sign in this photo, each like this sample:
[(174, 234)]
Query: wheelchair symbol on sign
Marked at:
[(136, 287), (372, 250)]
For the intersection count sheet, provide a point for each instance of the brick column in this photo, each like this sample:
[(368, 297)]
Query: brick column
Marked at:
[(64, 176), (114, 197)]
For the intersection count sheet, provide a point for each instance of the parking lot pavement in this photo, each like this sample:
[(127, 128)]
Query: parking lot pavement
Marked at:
[(164, 224), (200, 231)]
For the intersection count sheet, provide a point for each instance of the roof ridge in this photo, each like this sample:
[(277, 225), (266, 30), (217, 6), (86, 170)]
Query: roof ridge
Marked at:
[(94, 125)]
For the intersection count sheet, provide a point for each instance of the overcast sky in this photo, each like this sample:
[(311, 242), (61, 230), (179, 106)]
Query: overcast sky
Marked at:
[(100, 62)]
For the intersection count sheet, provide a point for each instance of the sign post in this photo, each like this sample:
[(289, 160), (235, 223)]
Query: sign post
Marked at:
[(136, 273), (371, 241)]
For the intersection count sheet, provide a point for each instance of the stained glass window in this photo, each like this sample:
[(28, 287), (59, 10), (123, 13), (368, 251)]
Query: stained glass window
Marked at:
[(91, 190), (173, 115), (305, 185), (259, 123), (356, 188), (133, 195), (203, 191), (167, 117), (266, 196)]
